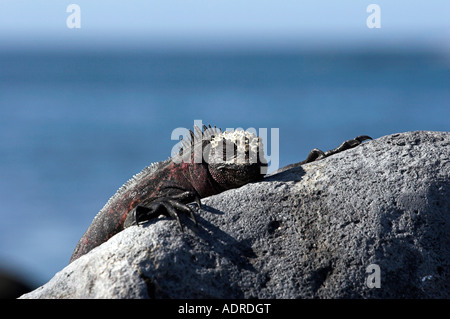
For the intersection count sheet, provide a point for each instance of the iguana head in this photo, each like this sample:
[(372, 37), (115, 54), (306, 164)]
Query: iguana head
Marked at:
[(233, 158)]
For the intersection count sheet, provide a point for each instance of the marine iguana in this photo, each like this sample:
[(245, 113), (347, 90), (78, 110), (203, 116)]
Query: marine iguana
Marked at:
[(208, 163)]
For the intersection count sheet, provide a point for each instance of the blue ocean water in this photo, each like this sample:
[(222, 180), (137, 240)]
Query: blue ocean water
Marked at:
[(75, 126)]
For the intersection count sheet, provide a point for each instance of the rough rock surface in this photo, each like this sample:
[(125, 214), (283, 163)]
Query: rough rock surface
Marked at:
[(309, 232)]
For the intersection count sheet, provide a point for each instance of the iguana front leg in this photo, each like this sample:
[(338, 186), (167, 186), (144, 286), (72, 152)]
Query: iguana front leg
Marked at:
[(317, 154), (169, 206)]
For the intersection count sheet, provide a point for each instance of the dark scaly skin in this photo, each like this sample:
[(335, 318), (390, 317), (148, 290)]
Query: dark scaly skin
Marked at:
[(166, 187)]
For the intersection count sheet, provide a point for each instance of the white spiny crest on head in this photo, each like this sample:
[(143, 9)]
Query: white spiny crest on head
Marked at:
[(244, 140), (240, 146), (246, 149)]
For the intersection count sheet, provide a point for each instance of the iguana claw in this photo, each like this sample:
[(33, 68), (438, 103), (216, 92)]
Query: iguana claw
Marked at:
[(167, 206)]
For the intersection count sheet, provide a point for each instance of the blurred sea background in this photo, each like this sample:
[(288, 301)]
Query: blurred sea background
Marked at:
[(82, 110)]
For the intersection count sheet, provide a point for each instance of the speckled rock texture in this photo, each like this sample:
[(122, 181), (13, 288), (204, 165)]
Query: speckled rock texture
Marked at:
[(308, 232)]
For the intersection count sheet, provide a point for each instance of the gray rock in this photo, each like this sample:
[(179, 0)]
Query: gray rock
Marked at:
[(309, 232)]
